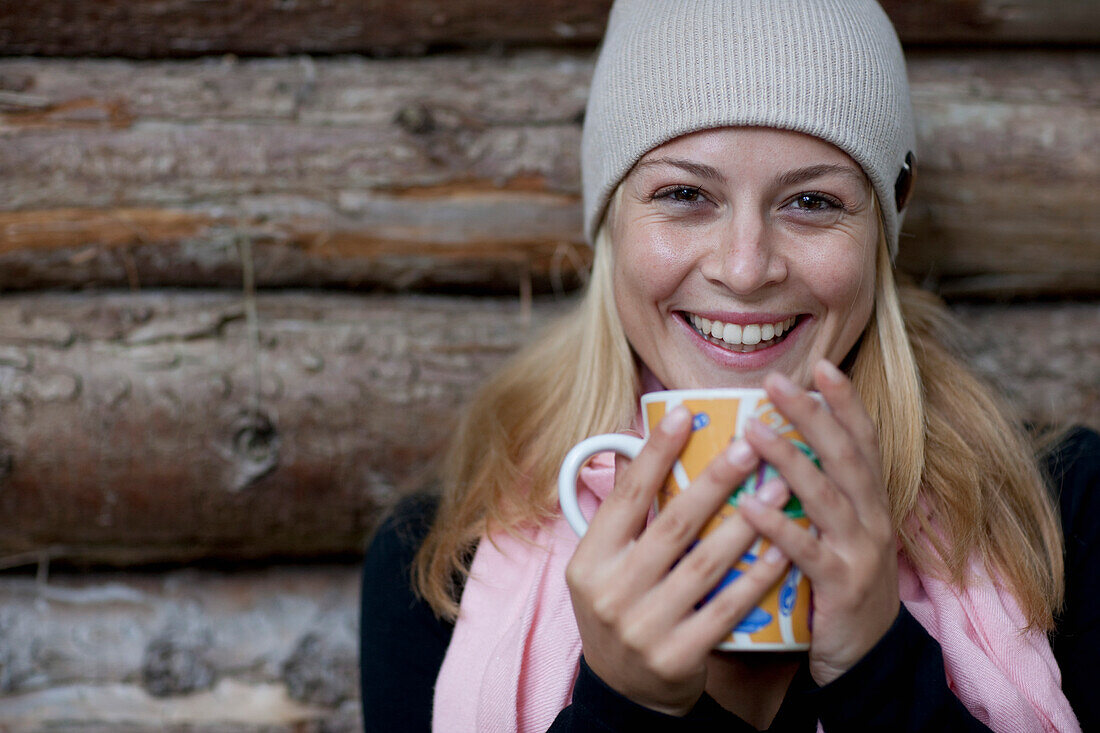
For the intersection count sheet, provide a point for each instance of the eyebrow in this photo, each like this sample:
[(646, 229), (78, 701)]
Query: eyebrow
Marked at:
[(801, 175), (790, 178), (699, 169)]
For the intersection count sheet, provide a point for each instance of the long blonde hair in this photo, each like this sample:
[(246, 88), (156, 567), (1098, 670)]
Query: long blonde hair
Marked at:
[(961, 474), (510, 440), (951, 455)]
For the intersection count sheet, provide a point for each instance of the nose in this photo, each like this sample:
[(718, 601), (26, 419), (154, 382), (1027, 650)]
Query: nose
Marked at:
[(743, 256)]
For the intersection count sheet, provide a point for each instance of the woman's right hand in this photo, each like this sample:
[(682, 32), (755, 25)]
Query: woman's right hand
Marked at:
[(634, 591)]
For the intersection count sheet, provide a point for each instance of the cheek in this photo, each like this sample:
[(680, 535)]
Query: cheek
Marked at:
[(649, 266), (849, 294), (849, 287), (842, 274)]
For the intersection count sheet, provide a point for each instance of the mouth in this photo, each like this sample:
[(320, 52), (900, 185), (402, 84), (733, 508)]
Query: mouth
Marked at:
[(741, 338)]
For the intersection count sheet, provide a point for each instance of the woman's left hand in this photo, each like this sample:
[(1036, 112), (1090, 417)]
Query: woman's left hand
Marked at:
[(852, 562)]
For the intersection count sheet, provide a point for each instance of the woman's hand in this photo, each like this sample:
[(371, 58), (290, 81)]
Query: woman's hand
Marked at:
[(852, 563), (634, 590)]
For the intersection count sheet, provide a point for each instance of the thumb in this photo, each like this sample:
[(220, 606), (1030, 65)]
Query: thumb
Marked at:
[(621, 461)]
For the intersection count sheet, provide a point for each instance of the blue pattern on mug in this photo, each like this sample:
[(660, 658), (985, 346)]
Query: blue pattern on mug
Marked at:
[(700, 421), (788, 593), (757, 619), (730, 576)]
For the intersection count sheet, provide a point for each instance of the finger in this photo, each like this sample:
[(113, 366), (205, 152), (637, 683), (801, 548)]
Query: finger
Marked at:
[(801, 545), (705, 565), (827, 507), (869, 496), (840, 452), (681, 520), (623, 513), (848, 409), (622, 463), (706, 627)]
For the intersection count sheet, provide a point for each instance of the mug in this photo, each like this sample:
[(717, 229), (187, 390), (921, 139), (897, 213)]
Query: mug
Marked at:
[(781, 621)]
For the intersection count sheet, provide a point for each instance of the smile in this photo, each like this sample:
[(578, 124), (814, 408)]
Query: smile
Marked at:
[(740, 338)]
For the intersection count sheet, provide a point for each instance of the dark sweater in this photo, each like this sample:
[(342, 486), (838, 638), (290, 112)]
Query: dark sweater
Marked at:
[(898, 686)]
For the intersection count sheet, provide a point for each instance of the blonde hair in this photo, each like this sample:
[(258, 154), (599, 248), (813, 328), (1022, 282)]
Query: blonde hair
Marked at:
[(951, 456), (511, 439), (961, 474)]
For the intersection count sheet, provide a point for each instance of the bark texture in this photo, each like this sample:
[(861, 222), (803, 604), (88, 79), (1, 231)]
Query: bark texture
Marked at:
[(163, 427), (272, 650), (172, 28), (461, 173)]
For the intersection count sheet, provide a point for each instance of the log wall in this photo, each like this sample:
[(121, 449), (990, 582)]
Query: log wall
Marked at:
[(159, 28), (188, 436), (273, 650), (255, 253), (460, 172)]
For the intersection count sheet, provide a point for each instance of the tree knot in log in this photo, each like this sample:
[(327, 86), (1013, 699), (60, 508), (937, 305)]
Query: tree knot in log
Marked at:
[(175, 665), (255, 449), (321, 671), (415, 119)]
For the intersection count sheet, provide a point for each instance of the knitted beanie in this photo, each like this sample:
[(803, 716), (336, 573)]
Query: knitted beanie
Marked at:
[(828, 68)]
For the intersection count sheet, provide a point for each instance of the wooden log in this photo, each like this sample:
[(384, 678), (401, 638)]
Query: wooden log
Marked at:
[(461, 173), (188, 434), (465, 245), (1045, 358), (263, 650), (174, 28), (1003, 184), (989, 21), (159, 426), (377, 174)]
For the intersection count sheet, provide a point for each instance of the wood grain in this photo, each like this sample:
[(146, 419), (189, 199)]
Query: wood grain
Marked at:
[(461, 174), (272, 649), (158, 426), (175, 28)]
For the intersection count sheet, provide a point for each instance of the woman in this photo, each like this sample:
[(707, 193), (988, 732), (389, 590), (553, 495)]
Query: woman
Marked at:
[(746, 166)]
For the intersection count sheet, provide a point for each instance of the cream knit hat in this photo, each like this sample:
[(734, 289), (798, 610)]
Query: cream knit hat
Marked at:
[(829, 68)]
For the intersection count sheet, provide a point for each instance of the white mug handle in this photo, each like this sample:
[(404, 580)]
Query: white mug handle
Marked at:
[(626, 445)]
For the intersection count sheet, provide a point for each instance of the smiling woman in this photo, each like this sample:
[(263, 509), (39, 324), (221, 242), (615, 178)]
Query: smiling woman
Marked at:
[(746, 169), (724, 237)]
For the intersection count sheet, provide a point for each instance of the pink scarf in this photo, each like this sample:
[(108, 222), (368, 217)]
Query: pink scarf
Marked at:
[(514, 655)]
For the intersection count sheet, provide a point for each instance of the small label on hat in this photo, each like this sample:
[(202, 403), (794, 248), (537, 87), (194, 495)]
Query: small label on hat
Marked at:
[(903, 186)]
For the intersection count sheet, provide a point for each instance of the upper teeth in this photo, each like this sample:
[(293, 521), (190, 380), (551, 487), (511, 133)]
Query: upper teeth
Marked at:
[(732, 333)]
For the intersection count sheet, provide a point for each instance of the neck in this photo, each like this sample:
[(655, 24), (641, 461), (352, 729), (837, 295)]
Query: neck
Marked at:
[(751, 685)]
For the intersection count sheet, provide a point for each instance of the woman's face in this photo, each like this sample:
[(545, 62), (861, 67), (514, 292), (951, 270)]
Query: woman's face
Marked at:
[(740, 251)]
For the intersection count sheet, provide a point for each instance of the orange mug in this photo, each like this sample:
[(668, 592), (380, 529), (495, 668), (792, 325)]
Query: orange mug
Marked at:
[(781, 621)]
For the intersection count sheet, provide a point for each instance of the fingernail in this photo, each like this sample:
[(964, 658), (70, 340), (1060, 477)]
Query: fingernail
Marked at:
[(784, 385), (762, 431), (830, 372), (773, 492), (675, 421), (774, 555), (739, 452)]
